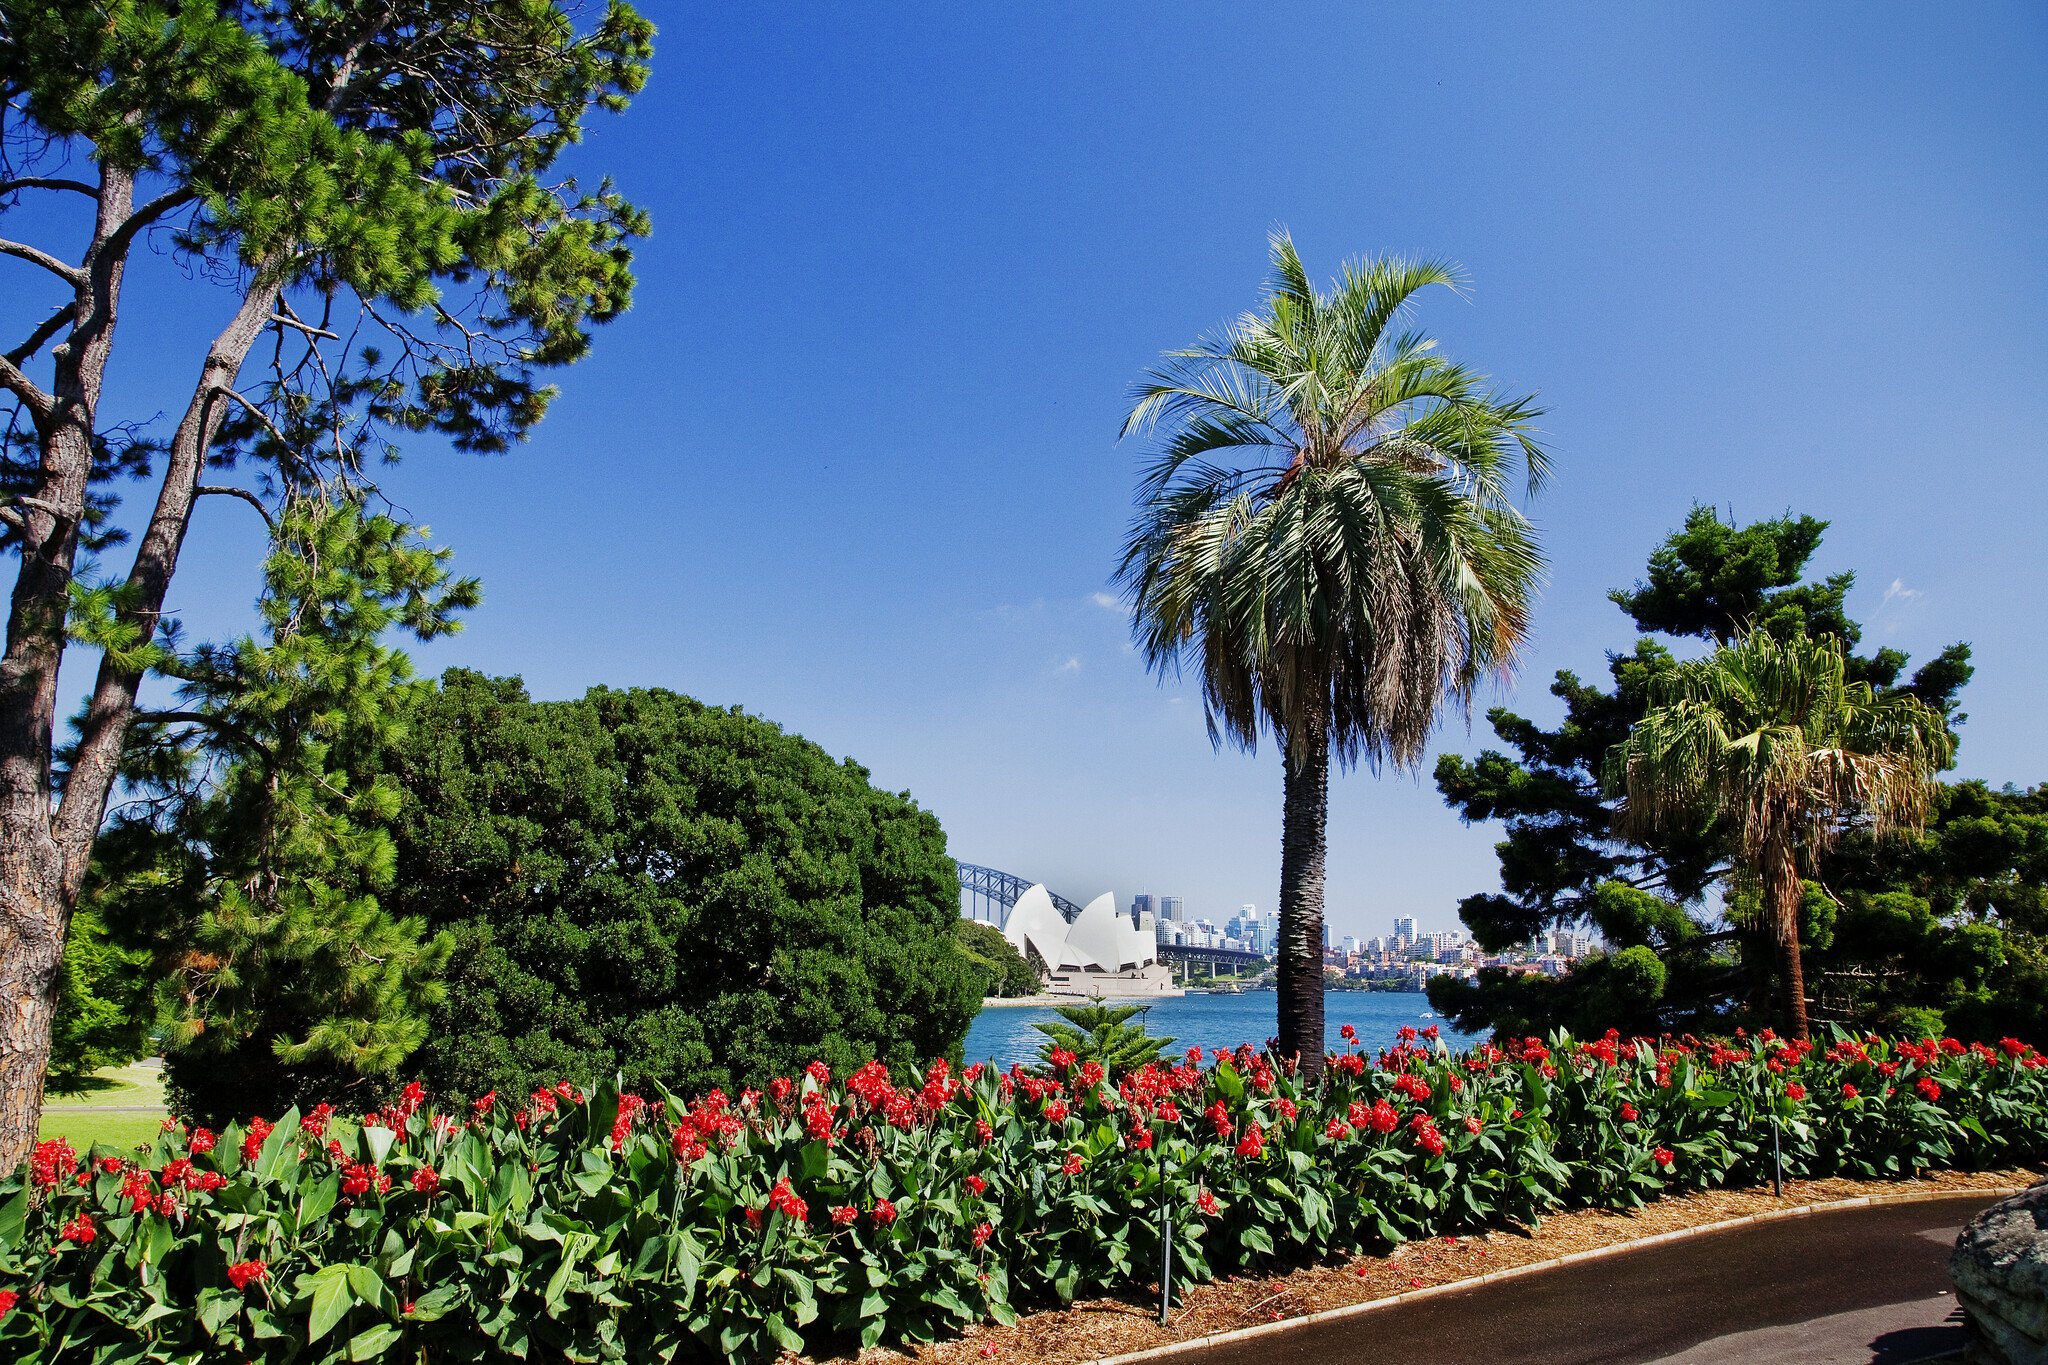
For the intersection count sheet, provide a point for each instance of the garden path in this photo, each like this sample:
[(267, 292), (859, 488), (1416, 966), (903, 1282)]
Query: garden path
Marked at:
[(1863, 1286)]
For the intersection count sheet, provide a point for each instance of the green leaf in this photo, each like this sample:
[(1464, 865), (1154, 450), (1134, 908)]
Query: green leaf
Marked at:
[(377, 1141), (435, 1303), (330, 1298), (373, 1342), (319, 1197)]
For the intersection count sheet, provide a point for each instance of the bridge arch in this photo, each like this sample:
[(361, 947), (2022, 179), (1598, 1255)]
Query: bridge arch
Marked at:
[(988, 895)]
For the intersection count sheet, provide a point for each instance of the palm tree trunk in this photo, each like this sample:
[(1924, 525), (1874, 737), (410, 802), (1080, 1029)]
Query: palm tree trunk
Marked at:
[(1303, 832), (1782, 891)]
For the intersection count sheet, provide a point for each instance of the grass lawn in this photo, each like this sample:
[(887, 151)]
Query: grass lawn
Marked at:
[(97, 1114)]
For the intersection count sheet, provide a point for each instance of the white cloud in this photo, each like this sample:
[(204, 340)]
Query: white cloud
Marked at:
[(1072, 665), (1899, 592), (1107, 601)]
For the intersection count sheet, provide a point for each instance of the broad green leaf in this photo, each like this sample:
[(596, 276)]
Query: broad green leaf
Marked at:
[(331, 1299)]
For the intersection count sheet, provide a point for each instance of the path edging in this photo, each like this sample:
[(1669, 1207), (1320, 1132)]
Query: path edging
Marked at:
[(1351, 1310)]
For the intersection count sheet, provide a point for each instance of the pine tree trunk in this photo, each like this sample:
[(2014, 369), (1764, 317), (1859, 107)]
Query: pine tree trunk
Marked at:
[(45, 843), (1302, 844), (1782, 892)]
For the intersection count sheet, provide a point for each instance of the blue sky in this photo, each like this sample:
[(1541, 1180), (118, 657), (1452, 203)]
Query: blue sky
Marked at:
[(851, 461)]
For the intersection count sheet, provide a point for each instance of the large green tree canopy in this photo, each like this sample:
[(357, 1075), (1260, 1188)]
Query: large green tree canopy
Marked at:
[(640, 883)]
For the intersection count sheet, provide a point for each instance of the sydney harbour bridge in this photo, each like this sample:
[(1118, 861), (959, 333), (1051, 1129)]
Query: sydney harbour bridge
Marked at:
[(987, 895)]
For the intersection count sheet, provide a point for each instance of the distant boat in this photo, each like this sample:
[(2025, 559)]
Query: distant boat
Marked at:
[(1427, 1015)]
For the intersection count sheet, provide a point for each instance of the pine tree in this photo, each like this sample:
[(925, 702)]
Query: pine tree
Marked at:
[(371, 187), (282, 976)]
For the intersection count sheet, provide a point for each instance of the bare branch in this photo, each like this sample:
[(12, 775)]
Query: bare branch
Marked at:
[(261, 416), (40, 182), (38, 505), (21, 386), (224, 490), (22, 251), (284, 318), (156, 208), (38, 338)]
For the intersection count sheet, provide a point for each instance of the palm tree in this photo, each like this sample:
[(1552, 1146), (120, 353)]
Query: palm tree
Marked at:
[(1327, 534), (1771, 736)]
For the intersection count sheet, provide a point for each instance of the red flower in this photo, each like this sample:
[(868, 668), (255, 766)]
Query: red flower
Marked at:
[(1253, 1143), (425, 1180), (1849, 1092), (482, 1105), (884, 1212), (975, 1185), (1061, 1059), (1348, 1034), (1141, 1138), (819, 1072), (1056, 1110), (1205, 1202), (845, 1214), (252, 1142), (245, 1273), (8, 1298), (1664, 1157), (1473, 1125), (1286, 1108), (1072, 1165), (1794, 1090), (355, 1180), (1628, 1113), (79, 1230), (779, 1088), (982, 1234), (1336, 1130), (202, 1140), (988, 1350), (783, 1199), (755, 1220), (52, 1161), (1426, 1135), (1928, 1087)]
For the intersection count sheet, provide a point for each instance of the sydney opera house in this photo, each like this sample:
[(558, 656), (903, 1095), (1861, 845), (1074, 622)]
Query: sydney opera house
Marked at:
[(1104, 951)]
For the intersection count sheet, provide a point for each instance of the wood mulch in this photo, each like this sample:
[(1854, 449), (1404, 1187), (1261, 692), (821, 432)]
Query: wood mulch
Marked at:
[(1105, 1327)]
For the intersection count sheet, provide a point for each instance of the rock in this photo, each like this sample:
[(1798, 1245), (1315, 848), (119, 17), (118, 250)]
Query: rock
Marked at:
[(2000, 1267)]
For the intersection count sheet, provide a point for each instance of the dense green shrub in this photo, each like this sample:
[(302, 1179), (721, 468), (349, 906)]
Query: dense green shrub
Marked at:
[(638, 883), (1004, 970), (822, 1213)]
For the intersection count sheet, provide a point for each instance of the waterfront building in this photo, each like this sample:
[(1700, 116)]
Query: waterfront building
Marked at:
[(1173, 908), (1102, 952), (1404, 931), (1141, 905)]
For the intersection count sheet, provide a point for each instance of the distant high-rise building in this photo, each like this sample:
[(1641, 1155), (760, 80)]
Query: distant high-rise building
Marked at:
[(1141, 905), (1404, 928), (1173, 908)]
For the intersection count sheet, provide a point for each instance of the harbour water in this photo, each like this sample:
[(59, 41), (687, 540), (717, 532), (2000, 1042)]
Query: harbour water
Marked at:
[(1005, 1036)]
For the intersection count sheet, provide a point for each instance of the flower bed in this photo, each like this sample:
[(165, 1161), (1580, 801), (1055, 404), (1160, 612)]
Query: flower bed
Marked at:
[(831, 1212)]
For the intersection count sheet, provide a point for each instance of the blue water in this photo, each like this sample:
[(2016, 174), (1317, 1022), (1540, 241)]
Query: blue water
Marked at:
[(1007, 1036)]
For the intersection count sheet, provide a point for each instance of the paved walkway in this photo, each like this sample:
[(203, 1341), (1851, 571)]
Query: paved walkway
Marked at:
[(1864, 1286)]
